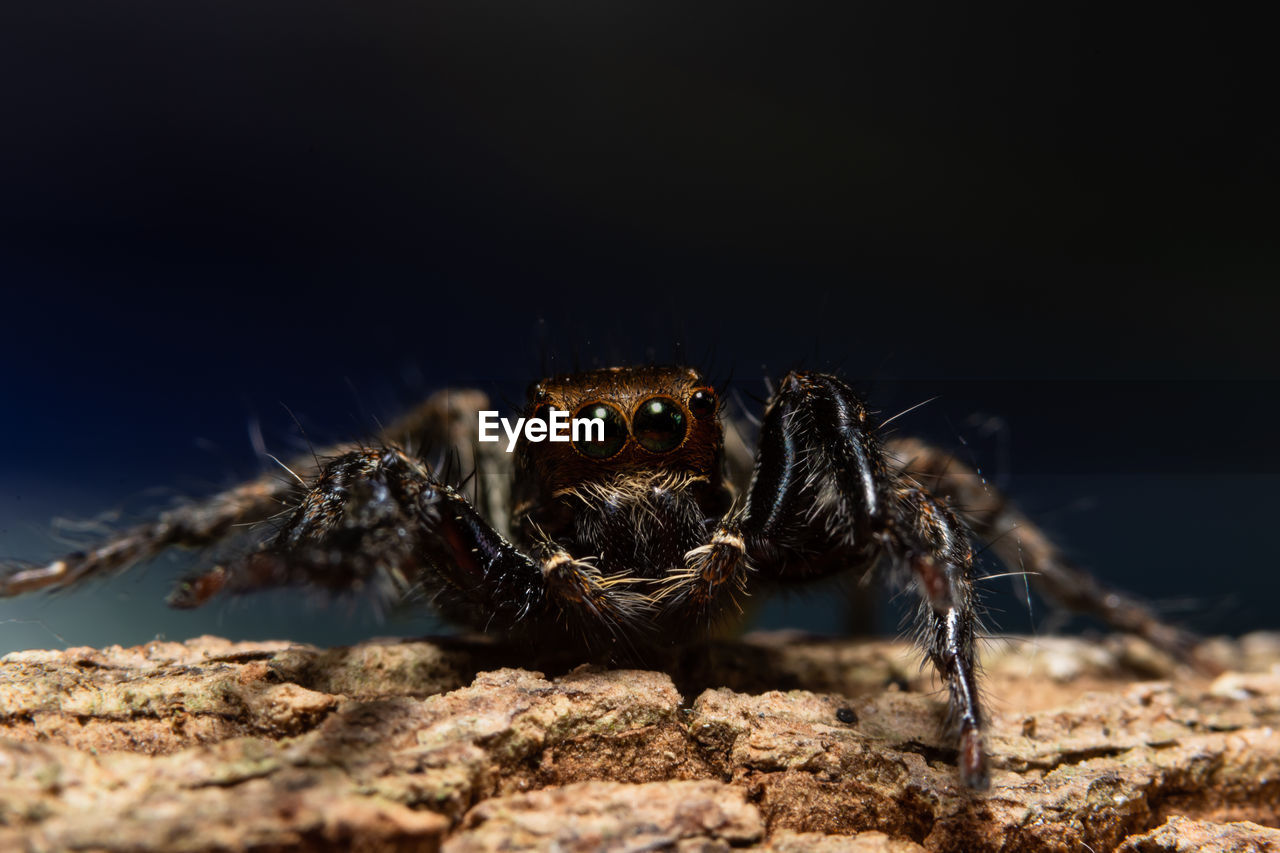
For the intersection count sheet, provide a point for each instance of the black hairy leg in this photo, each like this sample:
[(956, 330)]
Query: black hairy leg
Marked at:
[(928, 538), (1022, 546), (439, 424), (378, 519), (824, 499)]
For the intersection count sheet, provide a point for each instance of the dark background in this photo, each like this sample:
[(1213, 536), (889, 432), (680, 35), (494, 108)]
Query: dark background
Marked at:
[(1060, 222)]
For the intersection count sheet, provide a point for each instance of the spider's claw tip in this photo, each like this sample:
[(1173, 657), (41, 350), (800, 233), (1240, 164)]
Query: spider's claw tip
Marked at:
[(974, 772)]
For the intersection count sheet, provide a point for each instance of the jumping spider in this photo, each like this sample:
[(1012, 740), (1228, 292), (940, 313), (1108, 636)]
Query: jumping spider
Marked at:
[(639, 538)]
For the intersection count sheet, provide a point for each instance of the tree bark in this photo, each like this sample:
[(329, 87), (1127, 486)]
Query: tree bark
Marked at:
[(777, 741)]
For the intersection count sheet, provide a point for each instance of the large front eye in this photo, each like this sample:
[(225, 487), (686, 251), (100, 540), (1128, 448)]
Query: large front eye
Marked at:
[(659, 425), (615, 431)]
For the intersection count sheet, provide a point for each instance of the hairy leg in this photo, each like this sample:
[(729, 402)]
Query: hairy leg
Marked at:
[(379, 520), (822, 500), (446, 426), (1022, 546), (440, 424), (201, 523), (927, 539)]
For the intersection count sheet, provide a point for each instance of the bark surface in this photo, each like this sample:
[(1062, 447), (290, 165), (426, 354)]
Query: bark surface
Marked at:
[(777, 742)]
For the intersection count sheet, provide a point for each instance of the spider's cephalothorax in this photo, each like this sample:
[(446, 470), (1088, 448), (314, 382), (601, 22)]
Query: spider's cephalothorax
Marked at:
[(635, 538), (635, 503)]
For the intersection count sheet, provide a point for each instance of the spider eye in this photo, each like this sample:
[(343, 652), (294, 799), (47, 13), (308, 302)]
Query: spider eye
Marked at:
[(615, 431), (659, 425), (702, 403)]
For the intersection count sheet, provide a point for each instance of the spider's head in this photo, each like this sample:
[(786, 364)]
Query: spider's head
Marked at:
[(656, 419)]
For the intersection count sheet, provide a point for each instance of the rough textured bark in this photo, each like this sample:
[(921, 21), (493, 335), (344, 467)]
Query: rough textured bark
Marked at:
[(777, 741)]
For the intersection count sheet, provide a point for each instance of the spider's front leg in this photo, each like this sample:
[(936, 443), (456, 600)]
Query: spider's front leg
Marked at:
[(380, 520), (1022, 546), (823, 499), (439, 424)]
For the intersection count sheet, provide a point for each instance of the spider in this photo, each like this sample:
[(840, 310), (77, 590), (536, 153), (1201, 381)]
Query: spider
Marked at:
[(641, 536)]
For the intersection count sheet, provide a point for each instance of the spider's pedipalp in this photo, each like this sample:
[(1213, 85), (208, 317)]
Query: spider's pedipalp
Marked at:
[(715, 573), (592, 602)]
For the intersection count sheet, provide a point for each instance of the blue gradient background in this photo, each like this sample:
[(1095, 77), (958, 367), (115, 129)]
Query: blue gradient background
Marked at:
[(1061, 223)]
